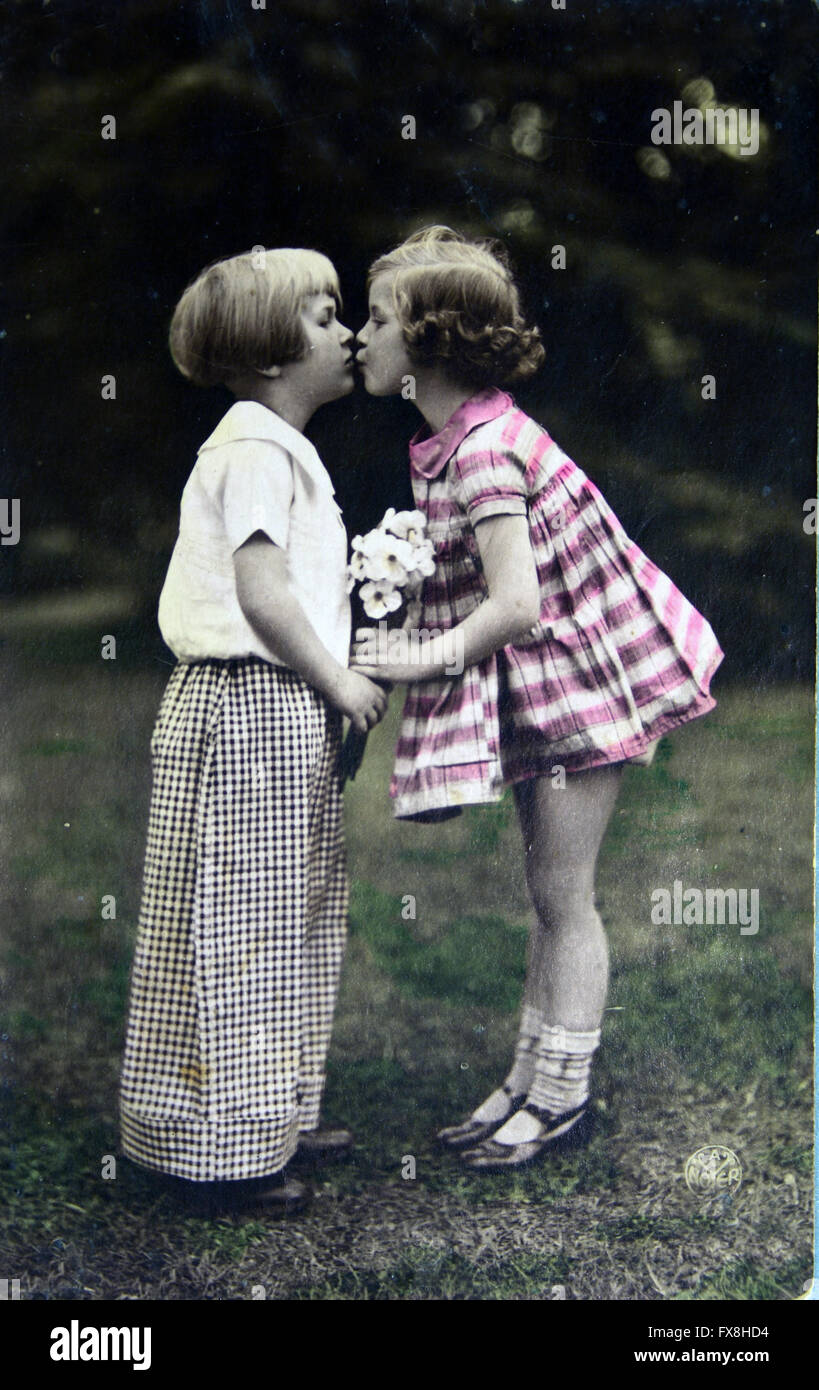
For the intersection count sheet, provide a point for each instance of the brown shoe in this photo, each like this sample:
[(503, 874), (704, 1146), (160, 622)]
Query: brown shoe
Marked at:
[(321, 1145)]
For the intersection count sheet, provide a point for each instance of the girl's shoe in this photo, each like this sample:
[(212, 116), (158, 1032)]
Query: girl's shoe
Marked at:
[(491, 1157), (471, 1131)]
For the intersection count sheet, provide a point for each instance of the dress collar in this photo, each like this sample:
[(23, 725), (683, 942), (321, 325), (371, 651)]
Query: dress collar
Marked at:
[(430, 455)]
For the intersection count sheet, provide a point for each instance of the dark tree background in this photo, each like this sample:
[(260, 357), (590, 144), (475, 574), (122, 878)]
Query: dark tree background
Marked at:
[(238, 126)]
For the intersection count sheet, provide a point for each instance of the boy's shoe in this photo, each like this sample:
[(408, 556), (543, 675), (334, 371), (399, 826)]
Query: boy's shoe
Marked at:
[(572, 1127), (471, 1131), (321, 1145), (275, 1195), (282, 1199)]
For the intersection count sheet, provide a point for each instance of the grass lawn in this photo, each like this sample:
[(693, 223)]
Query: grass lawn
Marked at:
[(707, 1038)]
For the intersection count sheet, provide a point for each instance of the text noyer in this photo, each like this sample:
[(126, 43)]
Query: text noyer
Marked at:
[(410, 647), (715, 125), (695, 907)]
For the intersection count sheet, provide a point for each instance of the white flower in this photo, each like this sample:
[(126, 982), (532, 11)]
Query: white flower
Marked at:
[(387, 557), (356, 567), (379, 598), (395, 555), (423, 558), (408, 526), (423, 565)]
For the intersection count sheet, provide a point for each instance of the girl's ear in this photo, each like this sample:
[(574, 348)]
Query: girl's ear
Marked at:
[(269, 371)]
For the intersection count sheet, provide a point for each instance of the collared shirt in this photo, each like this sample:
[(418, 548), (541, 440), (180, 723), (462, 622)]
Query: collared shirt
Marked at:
[(254, 473), (618, 657)]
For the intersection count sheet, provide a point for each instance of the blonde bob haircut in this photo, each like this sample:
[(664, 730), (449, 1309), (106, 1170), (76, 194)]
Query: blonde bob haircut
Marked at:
[(243, 314), (459, 308)]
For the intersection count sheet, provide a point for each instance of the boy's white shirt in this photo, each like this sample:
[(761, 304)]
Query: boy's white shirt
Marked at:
[(254, 473)]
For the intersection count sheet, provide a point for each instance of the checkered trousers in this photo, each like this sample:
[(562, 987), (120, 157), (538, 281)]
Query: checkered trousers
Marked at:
[(242, 925)]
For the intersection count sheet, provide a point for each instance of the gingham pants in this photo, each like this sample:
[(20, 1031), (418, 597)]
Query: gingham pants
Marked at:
[(242, 926)]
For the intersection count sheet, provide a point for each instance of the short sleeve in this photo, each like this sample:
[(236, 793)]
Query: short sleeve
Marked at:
[(488, 483), (256, 491)]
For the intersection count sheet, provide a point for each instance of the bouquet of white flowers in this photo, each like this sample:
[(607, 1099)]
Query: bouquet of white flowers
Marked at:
[(389, 565)]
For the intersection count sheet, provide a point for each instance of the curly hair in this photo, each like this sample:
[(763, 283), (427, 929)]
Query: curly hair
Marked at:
[(459, 308)]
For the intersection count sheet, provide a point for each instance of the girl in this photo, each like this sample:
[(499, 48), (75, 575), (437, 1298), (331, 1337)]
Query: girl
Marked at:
[(578, 652), (243, 918)]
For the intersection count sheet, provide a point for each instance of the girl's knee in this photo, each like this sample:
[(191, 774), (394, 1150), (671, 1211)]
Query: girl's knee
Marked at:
[(560, 900)]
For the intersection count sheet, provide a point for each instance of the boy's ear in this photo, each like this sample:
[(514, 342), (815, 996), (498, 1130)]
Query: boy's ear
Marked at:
[(269, 371)]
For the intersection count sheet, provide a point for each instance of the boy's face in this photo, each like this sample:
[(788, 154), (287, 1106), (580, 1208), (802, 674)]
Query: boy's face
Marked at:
[(382, 354), (326, 370)]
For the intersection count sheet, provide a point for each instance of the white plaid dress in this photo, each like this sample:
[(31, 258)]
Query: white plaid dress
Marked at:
[(618, 658), (242, 926)]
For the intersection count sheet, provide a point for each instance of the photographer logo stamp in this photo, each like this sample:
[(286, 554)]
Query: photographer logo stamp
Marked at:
[(713, 1169)]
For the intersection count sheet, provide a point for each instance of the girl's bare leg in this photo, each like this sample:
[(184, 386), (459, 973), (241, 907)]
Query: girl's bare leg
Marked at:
[(567, 974), (567, 967), (563, 827)]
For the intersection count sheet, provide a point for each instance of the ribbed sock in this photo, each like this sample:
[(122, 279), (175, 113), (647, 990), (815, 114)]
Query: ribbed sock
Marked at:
[(562, 1066), (561, 1080), (520, 1077)]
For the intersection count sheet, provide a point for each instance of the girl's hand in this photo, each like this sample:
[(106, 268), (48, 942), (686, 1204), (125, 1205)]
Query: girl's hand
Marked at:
[(506, 615), (366, 660), (363, 652), (371, 657)]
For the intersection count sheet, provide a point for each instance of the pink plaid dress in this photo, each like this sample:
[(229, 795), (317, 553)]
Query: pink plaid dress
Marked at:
[(618, 656)]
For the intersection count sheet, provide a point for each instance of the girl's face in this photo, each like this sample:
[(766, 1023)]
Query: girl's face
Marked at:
[(382, 354), (326, 370)]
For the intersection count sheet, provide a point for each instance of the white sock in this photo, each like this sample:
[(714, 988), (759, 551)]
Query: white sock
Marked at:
[(560, 1083), (562, 1065), (532, 1023), (520, 1077)]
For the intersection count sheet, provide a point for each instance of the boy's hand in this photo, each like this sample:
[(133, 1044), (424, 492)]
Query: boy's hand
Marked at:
[(363, 702)]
